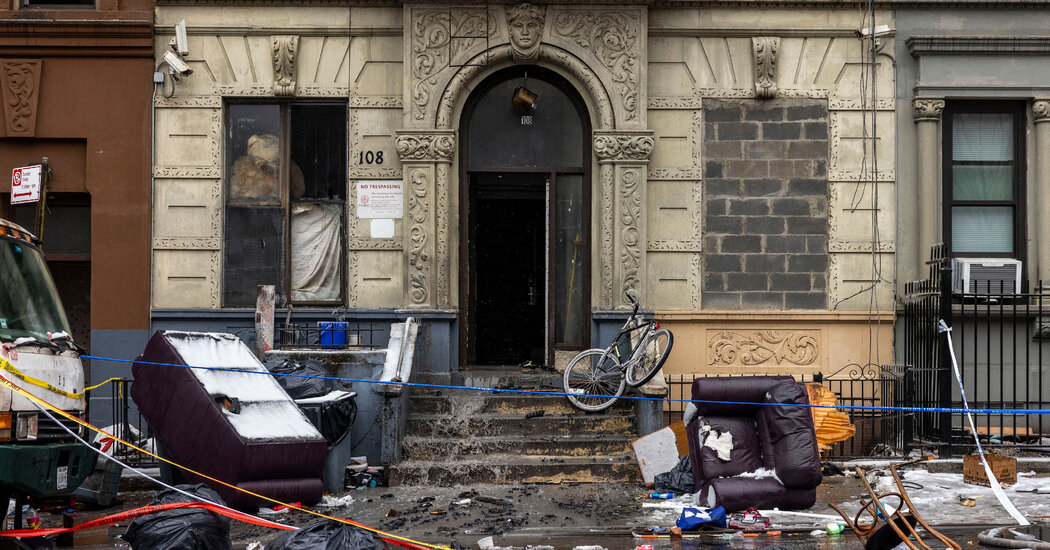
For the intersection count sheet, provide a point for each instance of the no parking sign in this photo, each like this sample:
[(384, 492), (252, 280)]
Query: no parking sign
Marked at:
[(25, 184)]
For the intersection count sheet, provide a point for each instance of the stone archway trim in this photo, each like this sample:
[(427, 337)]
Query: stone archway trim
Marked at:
[(427, 157), (555, 57)]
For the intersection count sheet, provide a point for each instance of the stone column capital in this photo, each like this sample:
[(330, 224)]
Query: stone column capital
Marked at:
[(1041, 110), (623, 146), (426, 145), (927, 109)]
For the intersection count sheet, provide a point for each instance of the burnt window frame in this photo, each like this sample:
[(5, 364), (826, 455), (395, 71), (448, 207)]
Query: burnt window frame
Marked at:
[(284, 200), (1017, 110)]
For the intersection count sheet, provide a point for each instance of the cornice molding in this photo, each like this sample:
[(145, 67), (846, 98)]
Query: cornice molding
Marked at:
[(984, 45), (76, 38)]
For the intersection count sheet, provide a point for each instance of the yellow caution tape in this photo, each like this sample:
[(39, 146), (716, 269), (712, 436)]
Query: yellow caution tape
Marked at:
[(390, 537), (38, 382)]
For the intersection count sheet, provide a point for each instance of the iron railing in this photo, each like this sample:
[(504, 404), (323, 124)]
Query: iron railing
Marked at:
[(128, 425), (1000, 339), (878, 432)]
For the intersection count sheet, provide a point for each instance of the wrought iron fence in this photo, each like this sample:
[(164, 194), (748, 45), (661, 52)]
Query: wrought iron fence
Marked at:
[(128, 425), (1000, 338), (878, 432)]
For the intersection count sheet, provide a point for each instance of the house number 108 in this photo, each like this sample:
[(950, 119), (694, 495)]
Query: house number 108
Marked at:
[(370, 157)]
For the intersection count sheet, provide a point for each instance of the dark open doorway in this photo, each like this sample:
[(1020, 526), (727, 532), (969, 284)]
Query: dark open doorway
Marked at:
[(525, 221), (508, 259)]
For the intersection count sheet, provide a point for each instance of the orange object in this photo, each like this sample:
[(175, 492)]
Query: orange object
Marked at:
[(831, 425)]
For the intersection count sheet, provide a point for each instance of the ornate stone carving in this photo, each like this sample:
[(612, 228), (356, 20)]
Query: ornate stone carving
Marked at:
[(418, 258), (683, 102), (460, 83), (1041, 110), (195, 102), (284, 50), (606, 253), (757, 347), (361, 243), (674, 246), (613, 38), (439, 147), (630, 217), (765, 49), (21, 81), (619, 147), (525, 25), (433, 48), (186, 171), (444, 257), (185, 243), (928, 109)]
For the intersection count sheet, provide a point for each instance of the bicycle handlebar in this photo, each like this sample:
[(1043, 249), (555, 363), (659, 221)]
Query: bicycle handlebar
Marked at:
[(634, 301)]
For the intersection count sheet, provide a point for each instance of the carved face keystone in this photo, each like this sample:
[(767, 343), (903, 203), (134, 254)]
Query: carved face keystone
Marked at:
[(525, 22)]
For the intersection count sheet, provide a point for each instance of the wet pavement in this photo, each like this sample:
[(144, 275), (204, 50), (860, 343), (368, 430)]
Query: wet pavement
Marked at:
[(610, 515)]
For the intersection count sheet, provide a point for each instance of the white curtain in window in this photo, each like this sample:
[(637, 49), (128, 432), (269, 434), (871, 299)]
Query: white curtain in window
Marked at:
[(316, 253)]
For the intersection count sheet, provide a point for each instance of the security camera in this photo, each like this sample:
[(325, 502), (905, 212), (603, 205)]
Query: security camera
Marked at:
[(179, 43), (879, 32), (177, 64)]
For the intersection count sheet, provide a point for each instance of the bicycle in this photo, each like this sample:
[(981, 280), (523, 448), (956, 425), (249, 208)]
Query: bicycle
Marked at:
[(596, 378)]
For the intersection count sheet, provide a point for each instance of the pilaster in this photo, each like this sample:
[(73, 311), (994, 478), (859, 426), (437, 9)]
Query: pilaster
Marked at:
[(1041, 116), (925, 203), (426, 158), (623, 159)]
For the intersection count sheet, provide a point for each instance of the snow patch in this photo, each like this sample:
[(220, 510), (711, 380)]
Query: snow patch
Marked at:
[(266, 412)]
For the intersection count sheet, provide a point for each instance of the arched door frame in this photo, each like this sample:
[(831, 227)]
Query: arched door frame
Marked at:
[(430, 170), (466, 300)]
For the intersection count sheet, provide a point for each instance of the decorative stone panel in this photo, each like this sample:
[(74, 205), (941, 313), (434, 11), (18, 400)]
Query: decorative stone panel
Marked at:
[(20, 80)]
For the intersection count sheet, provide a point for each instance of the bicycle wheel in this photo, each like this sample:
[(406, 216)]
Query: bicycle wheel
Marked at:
[(646, 364), (593, 380)]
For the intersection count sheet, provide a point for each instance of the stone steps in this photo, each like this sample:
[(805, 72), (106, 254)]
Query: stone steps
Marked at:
[(486, 437), (438, 448), (509, 468)]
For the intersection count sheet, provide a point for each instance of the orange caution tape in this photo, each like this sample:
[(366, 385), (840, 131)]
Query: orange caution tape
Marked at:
[(145, 511)]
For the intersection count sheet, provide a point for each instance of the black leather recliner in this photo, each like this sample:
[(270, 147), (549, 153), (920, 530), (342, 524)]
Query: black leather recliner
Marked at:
[(773, 461)]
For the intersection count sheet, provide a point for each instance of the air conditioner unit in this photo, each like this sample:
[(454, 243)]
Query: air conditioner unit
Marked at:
[(986, 276)]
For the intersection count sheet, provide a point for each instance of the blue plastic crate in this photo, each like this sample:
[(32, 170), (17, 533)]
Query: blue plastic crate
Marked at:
[(333, 334)]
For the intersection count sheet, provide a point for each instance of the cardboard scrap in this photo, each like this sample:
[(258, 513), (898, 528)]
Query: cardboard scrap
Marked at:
[(831, 425), (658, 451)]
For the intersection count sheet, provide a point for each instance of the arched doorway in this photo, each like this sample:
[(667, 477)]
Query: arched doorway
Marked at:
[(525, 221)]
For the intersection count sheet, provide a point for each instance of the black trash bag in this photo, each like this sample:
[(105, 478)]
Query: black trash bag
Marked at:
[(181, 528), (326, 535), (679, 480), (298, 386), (332, 418)]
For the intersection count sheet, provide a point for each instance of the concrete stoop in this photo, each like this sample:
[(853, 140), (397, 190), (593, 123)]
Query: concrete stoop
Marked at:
[(481, 437)]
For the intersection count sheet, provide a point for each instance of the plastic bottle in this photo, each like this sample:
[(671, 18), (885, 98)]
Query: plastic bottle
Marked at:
[(665, 496), (834, 528)]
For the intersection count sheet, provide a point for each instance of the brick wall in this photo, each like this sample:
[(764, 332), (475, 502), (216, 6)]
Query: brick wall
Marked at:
[(765, 204)]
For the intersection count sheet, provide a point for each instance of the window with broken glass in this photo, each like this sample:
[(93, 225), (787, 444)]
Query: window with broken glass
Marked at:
[(286, 182)]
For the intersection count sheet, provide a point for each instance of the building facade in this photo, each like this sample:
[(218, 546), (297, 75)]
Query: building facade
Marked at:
[(76, 84), (508, 173)]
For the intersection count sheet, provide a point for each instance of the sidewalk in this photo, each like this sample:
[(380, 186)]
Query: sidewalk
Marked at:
[(468, 513)]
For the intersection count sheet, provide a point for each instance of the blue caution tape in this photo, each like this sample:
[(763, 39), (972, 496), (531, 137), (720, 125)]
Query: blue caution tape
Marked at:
[(562, 394)]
